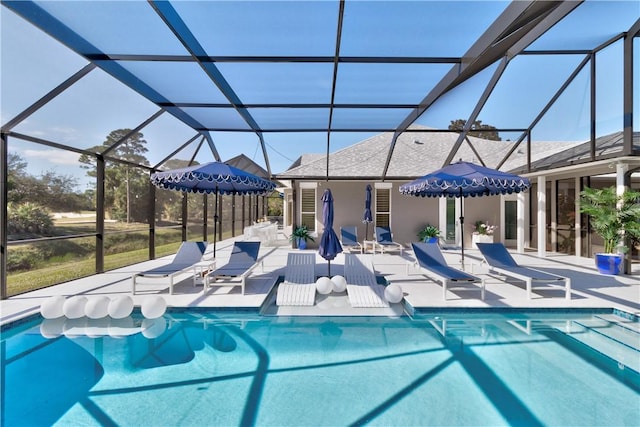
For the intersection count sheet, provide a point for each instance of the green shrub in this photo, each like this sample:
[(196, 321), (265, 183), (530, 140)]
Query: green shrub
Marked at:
[(29, 218), (23, 259)]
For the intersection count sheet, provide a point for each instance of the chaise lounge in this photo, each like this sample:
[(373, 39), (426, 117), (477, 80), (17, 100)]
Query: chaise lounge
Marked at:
[(384, 241), (433, 264), (299, 286), (363, 289), (244, 258), (349, 238), (502, 263), (188, 254)]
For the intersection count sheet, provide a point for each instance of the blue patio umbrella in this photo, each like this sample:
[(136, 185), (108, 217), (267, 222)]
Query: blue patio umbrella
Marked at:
[(214, 177), (329, 242), (465, 179), (367, 218)]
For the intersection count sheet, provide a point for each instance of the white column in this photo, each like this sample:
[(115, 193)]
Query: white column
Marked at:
[(554, 215), (542, 218), (621, 170), (521, 221), (442, 216), (578, 224)]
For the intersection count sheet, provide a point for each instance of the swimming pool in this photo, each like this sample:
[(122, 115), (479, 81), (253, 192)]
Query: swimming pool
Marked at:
[(226, 368)]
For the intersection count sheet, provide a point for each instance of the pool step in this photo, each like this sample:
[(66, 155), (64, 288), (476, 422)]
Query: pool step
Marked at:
[(621, 321), (608, 337), (613, 329)]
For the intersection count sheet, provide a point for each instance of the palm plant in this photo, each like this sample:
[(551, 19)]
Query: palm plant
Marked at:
[(428, 232), (301, 232), (612, 216)]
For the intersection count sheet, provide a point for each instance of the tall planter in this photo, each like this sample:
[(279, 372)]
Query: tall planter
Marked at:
[(613, 217), (608, 263), (302, 243), (481, 238)]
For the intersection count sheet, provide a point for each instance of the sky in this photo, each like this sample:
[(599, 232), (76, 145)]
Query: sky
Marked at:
[(32, 63)]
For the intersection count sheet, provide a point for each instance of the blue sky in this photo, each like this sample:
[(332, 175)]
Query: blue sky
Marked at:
[(32, 64)]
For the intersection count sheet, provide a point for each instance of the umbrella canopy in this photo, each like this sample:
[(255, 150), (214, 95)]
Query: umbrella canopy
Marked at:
[(329, 242), (367, 218), (216, 178), (464, 179)]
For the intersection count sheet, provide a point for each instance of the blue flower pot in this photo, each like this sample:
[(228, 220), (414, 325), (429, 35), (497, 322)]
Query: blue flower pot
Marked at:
[(302, 244), (431, 240), (608, 263)]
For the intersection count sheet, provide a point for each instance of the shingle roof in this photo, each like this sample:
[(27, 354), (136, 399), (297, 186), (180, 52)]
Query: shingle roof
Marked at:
[(606, 147), (415, 154)]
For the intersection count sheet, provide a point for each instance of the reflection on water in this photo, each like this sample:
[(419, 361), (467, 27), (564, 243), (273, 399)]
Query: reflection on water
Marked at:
[(429, 370)]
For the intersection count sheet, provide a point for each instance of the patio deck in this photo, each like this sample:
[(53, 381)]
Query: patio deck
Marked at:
[(589, 289)]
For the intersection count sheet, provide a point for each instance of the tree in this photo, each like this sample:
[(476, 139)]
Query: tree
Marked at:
[(477, 129), (126, 186), (50, 190), (169, 202), (274, 204), (19, 182)]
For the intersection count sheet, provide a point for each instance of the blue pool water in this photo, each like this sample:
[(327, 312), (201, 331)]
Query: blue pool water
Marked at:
[(228, 369)]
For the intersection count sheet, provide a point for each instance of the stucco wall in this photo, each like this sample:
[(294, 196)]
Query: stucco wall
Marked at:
[(408, 214)]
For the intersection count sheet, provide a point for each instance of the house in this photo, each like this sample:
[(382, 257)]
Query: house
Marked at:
[(416, 153), (559, 170)]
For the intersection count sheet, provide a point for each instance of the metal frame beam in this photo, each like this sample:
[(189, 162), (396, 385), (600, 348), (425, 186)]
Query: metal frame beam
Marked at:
[(476, 110), (177, 150), (4, 212), (335, 78), (39, 17), (48, 97), (544, 110), (628, 80), (212, 145), (518, 25), (135, 130), (175, 23)]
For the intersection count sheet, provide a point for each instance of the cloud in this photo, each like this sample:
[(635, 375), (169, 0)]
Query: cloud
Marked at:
[(58, 157)]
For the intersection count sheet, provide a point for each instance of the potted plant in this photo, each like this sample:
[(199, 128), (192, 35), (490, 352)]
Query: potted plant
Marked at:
[(429, 234), (612, 217), (300, 236), (482, 233)]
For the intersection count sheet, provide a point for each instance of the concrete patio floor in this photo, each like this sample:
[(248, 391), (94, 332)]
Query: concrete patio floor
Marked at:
[(589, 288)]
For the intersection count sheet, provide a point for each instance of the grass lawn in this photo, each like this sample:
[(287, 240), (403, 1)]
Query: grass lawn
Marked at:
[(123, 249)]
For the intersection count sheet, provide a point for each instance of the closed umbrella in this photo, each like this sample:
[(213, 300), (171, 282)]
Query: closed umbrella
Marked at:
[(367, 218), (329, 242), (465, 179), (214, 177)]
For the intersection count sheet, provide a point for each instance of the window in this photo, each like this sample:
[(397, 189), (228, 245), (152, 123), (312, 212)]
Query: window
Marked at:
[(308, 205), (383, 205)]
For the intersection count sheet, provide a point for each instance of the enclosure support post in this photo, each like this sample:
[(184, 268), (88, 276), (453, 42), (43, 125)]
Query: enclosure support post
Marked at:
[(100, 214), (4, 195)]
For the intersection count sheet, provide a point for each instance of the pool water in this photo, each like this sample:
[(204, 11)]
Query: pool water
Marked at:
[(228, 369)]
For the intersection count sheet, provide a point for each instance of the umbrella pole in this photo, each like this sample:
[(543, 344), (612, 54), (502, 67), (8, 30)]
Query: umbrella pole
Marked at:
[(366, 231), (462, 226), (329, 268), (215, 224)]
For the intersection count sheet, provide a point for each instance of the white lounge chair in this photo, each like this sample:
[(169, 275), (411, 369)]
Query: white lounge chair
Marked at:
[(244, 258), (384, 241), (349, 238), (363, 289), (188, 254), (299, 286), (502, 263), (432, 263)]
